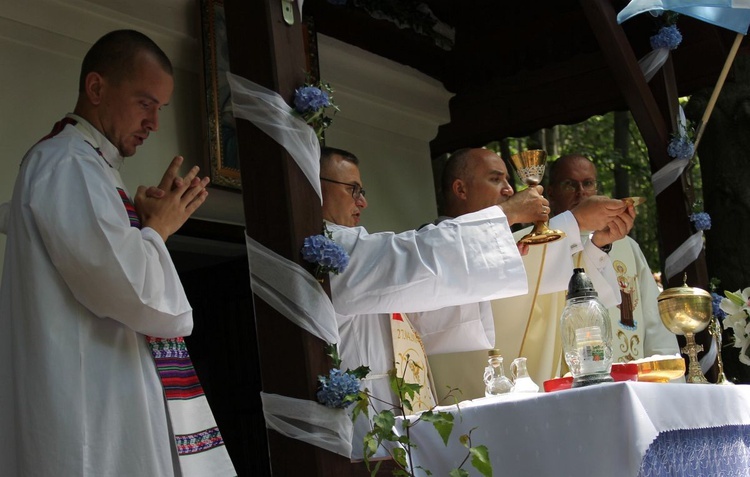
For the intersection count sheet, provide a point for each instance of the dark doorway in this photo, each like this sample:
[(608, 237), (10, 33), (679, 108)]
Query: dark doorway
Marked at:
[(224, 345)]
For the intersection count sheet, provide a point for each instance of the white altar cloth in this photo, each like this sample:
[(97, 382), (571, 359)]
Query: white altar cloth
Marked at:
[(602, 430)]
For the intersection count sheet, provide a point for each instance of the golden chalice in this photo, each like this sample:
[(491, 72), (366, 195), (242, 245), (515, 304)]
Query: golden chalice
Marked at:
[(529, 165), (685, 311)]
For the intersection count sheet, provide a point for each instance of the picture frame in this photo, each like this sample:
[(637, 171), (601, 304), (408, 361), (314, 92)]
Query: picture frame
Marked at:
[(222, 158)]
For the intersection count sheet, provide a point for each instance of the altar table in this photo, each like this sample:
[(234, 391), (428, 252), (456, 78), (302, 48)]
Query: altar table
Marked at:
[(604, 430)]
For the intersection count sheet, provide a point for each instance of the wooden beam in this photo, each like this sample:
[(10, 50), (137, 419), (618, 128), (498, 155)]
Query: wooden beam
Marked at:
[(653, 110), (281, 209), (652, 115)]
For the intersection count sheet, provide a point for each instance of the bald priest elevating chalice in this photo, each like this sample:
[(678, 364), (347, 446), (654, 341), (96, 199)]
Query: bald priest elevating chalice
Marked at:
[(529, 165)]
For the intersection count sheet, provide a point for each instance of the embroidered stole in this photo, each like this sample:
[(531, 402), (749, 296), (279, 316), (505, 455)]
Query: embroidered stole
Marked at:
[(628, 324), (411, 361), (193, 424), (199, 444)]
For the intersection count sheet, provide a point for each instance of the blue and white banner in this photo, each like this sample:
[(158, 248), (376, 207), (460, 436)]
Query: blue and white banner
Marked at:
[(730, 14)]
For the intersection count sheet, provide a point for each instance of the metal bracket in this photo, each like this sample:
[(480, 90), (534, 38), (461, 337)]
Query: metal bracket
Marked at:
[(287, 8)]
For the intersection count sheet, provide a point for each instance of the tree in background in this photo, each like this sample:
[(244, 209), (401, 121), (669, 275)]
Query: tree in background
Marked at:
[(615, 145)]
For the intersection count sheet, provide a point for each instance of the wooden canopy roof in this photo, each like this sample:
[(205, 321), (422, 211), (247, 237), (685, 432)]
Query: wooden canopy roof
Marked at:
[(514, 69), (518, 67)]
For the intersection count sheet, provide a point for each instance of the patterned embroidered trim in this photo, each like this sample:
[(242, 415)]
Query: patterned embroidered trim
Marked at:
[(130, 208), (175, 368), (697, 452), (99, 151), (198, 442)]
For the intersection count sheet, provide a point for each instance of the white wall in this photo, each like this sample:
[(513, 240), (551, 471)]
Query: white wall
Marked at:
[(389, 112)]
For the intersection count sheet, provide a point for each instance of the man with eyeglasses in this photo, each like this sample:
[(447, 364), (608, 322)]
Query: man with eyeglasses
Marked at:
[(637, 330), (472, 258), (475, 178)]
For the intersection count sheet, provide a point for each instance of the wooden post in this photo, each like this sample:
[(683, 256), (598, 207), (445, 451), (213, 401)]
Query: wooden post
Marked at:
[(653, 111), (281, 209), (653, 118)]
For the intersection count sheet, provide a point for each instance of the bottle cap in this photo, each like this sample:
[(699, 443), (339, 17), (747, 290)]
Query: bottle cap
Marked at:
[(580, 285), (494, 352)]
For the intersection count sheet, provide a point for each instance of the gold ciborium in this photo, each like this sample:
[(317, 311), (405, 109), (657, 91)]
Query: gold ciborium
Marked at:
[(529, 166), (685, 311)]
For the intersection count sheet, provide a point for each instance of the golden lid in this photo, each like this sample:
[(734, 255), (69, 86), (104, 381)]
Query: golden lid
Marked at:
[(683, 292), (494, 352)]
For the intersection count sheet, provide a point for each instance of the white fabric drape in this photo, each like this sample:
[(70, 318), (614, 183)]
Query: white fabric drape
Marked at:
[(292, 291), (652, 62), (270, 113), (310, 422), (684, 255)]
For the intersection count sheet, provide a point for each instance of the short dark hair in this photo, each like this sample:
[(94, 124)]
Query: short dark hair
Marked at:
[(456, 167), (326, 153), (113, 56), (554, 167)]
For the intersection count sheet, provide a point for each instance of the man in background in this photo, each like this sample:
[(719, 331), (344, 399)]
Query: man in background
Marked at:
[(637, 330)]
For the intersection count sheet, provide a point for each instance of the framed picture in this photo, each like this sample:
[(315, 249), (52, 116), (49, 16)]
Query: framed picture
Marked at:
[(223, 158)]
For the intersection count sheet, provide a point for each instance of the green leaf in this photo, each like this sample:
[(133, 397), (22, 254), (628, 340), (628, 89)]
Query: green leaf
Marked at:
[(480, 460), (399, 455), (395, 382), (362, 406), (333, 351), (442, 421), (406, 442), (360, 372), (384, 419), (409, 390), (458, 473), (376, 469)]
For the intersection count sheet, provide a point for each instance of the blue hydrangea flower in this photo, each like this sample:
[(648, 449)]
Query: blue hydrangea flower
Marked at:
[(716, 304), (310, 99), (668, 37), (701, 220), (334, 388), (327, 254), (681, 148)]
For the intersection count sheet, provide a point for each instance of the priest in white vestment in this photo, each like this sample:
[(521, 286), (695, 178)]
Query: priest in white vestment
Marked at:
[(82, 286), (469, 259), (474, 178), (637, 330)]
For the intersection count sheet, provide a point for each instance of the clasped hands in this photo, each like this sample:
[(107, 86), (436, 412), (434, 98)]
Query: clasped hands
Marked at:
[(166, 207)]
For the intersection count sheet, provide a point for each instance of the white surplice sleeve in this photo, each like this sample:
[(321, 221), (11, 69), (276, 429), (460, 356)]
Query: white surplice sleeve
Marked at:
[(468, 259), (456, 329), (114, 270)]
